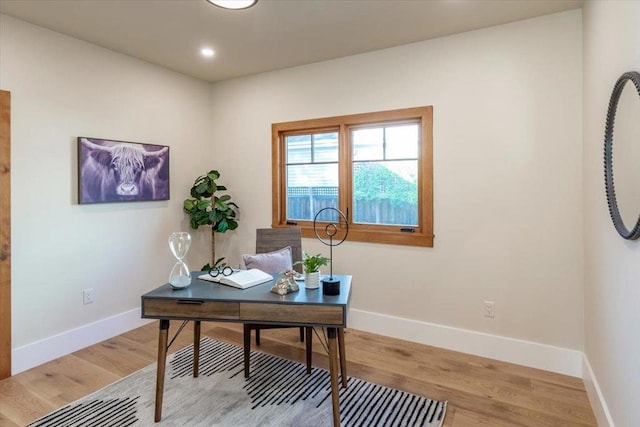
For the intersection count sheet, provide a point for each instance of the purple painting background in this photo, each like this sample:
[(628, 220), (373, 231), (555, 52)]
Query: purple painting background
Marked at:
[(117, 171)]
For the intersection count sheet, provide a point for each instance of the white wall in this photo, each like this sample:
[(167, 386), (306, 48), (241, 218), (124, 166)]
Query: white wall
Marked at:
[(507, 173), (507, 183), (612, 270), (62, 88)]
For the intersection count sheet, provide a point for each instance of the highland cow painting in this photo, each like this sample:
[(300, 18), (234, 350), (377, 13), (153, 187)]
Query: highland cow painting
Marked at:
[(116, 171)]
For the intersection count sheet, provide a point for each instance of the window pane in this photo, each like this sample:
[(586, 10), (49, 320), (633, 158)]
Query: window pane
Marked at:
[(385, 192), (325, 147), (298, 148), (331, 216), (310, 188), (368, 144), (402, 142)]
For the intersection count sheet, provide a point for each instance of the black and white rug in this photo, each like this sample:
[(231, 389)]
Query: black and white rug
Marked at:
[(279, 393)]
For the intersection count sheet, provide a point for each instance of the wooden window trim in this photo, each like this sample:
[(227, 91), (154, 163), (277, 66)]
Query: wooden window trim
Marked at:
[(422, 235)]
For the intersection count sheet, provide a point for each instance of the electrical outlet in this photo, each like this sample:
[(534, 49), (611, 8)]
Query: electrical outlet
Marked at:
[(87, 296), (489, 309)]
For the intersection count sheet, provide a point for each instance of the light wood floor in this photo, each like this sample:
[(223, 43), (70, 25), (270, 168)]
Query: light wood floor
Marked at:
[(480, 391)]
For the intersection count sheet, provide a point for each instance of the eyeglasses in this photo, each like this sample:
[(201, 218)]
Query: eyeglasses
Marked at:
[(225, 271)]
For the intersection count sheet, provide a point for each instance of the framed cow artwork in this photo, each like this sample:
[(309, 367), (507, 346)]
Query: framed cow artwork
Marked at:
[(117, 171)]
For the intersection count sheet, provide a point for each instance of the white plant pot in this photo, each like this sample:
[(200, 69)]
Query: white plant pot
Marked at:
[(312, 280)]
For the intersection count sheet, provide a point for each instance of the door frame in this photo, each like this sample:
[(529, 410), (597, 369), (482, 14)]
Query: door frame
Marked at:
[(5, 234)]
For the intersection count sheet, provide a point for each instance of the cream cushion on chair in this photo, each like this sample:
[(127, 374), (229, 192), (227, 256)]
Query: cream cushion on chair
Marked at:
[(270, 262)]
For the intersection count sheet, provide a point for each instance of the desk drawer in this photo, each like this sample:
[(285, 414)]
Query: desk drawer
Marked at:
[(292, 313), (190, 309)]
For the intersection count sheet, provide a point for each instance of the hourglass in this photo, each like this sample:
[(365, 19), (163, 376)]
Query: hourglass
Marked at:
[(179, 244)]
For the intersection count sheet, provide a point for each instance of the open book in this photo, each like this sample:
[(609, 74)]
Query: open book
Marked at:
[(242, 279)]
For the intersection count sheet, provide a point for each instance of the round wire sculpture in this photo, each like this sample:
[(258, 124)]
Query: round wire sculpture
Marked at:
[(331, 229)]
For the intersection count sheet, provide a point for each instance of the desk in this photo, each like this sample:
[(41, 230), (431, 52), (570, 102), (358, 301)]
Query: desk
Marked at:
[(204, 300)]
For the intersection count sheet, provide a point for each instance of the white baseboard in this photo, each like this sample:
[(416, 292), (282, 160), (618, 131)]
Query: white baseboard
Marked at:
[(39, 352), (598, 404), (541, 356), (527, 353)]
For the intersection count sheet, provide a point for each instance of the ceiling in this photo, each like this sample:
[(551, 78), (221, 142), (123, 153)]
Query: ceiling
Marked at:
[(273, 34)]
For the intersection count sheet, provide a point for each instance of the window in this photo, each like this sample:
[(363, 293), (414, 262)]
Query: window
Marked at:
[(375, 167)]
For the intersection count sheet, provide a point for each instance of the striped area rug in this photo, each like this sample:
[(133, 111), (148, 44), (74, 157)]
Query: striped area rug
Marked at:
[(279, 393)]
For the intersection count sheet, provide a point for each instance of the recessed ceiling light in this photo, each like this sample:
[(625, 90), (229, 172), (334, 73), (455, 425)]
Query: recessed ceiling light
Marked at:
[(233, 4), (207, 52)]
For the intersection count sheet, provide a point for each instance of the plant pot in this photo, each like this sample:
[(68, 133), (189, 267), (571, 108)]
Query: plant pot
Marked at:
[(312, 280)]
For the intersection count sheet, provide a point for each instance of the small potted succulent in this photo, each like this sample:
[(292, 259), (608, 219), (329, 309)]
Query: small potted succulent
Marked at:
[(311, 265)]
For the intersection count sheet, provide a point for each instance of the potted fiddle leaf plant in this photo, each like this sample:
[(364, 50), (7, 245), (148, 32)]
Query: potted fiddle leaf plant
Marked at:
[(311, 265), (208, 207)]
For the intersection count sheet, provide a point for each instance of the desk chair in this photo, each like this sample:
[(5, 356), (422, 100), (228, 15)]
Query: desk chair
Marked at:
[(270, 240), (274, 239)]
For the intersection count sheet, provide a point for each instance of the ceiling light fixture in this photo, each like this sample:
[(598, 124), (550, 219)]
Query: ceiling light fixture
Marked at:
[(207, 52), (233, 4)]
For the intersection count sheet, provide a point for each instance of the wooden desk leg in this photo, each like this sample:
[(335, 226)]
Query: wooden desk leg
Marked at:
[(333, 372), (247, 349), (343, 357), (162, 361), (309, 343), (196, 348)]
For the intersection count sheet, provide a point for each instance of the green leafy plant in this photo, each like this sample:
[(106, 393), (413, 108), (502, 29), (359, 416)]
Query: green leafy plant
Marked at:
[(312, 263), (218, 263), (374, 182), (207, 208)]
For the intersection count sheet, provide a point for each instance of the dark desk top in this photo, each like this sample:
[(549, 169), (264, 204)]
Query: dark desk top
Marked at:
[(211, 291)]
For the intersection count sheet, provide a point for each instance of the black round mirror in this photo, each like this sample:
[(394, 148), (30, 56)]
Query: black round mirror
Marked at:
[(629, 141)]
